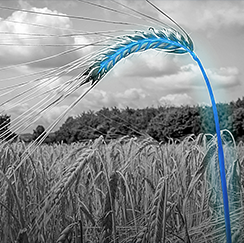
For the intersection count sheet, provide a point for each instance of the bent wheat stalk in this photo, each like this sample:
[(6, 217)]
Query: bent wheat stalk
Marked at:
[(173, 42), (99, 63)]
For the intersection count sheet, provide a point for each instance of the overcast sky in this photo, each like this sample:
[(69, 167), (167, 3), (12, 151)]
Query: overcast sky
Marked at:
[(150, 78)]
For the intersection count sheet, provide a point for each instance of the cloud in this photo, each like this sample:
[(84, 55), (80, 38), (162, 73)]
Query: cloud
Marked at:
[(132, 94), (190, 77), (176, 100), (224, 77), (25, 118), (51, 115), (204, 14), (59, 85), (18, 116), (223, 14), (84, 41), (98, 99), (28, 36)]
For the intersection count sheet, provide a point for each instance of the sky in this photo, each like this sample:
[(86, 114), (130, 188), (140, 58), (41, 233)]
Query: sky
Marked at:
[(150, 78)]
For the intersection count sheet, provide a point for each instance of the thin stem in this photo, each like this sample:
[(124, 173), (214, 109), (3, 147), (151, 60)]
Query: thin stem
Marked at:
[(220, 150)]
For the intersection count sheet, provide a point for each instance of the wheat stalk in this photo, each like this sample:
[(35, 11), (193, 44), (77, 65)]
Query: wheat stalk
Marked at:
[(65, 233), (56, 193), (171, 41), (136, 171), (108, 219), (157, 220)]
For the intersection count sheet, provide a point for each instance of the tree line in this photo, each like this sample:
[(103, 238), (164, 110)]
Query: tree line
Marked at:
[(161, 123)]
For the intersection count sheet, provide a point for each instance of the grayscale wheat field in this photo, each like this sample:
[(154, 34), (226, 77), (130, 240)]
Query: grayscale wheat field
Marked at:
[(129, 189)]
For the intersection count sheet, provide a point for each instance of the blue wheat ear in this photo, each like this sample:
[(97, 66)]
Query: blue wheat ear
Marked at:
[(170, 41)]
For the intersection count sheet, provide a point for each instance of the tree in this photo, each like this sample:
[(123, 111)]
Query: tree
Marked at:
[(175, 122), (38, 133), (239, 103), (225, 118), (5, 132), (238, 124)]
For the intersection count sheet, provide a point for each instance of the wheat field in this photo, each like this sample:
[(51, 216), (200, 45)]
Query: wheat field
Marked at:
[(127, 190)]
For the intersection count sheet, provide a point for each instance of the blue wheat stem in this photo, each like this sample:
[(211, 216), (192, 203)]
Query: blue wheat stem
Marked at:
[(220, 149), (170, 41)]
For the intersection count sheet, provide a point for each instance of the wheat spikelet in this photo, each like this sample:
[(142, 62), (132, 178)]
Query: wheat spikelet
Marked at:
[(202, 168), (127, 189), (16, 199), (86, 211), (237, 237), (8, 213), (66, 233), (108, 219), (168, 40), (150, 183), (22, 236), (157, 220), (140, 237), (60, 188), (146, 233)]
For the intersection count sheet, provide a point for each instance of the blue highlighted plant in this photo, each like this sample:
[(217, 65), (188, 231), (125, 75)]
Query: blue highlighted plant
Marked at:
[(171, 41)]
